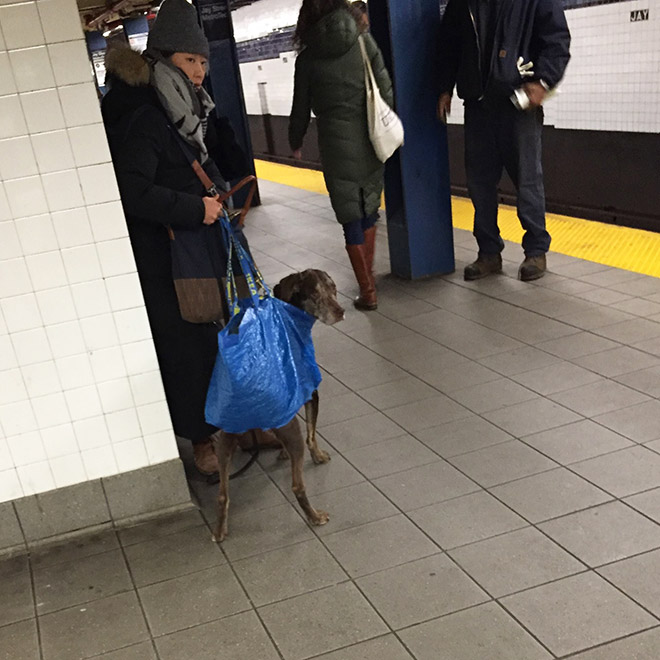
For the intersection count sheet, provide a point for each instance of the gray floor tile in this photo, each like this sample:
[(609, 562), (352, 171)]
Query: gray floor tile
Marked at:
[(617, 361), (519, 360), (424, 485), (81, 581), (381, 648), (555, 378), (486, 631), (639, 578), (254, 532), (331, 387), (651, 346), (648, 503), (598, 398), (99, 627), (501, 463), (369, 375), (577, 345), (645, 380), (425, 414), (462, 436), (191, 600), (379, 545), (630, 332), (19, 641), (170, 556), (491, 396), (397, 393), (16, 603), (576, 613), (641, 286), (515, 561), (595, 316), (604, 533), (362, 431), (465, 374), (466, 519), (288, 572), (326, 620), (643, 646), (603, 296), (84, 546), (577, 441), (639, 423), (624, 472), (420, 590), (235, 638), (143, 651), (390, 456), (638, 307), (353, 506), (531, 417), (549, 495)]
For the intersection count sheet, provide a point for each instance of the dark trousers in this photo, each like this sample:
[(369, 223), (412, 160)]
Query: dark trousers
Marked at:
[(497, 137), (354, 231)]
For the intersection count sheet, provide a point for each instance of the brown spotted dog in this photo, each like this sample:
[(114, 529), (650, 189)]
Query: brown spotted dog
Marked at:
[(315, 292)]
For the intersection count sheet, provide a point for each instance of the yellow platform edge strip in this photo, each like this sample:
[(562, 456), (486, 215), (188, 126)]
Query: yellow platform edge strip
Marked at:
[(635, 250)]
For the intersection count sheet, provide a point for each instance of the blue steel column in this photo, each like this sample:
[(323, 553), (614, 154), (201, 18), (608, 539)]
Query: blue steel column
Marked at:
[(225, 76), (417, 189)]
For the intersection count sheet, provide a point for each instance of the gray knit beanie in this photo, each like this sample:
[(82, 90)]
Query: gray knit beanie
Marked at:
[(177, 30)]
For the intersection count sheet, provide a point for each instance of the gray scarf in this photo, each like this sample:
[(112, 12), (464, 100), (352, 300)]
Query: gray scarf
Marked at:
[(186, 107)]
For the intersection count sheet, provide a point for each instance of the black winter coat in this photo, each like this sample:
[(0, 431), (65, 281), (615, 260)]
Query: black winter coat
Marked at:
[(158, 188), (535, 30)]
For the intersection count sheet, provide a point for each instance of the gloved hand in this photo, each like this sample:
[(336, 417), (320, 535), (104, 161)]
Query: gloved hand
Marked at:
[(525, 70)]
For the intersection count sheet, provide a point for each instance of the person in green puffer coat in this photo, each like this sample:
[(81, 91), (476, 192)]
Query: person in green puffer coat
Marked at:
[(329, 81)]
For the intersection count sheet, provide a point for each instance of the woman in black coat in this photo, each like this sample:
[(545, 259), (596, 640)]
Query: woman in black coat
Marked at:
[(149, 126)]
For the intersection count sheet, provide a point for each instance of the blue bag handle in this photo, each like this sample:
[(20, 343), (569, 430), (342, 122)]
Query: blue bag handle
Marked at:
[(250, 271)]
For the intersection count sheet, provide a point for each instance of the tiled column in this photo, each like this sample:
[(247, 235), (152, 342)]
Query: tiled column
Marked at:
[(81, 396)]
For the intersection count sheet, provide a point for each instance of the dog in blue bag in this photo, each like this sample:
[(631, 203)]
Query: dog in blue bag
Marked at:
[(266, 370)]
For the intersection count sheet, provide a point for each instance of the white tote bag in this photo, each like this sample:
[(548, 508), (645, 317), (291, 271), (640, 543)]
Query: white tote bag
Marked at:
[(385, 127)]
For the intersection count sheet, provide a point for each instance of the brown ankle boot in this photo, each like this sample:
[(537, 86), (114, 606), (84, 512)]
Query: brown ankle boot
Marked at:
[(367, 300), (205, 459), (370, 247)]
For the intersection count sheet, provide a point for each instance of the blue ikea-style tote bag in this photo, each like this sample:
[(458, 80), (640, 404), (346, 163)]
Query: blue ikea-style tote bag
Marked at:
[(265, 369)]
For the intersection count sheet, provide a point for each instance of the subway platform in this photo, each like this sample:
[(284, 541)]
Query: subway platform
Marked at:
[(494, 488)]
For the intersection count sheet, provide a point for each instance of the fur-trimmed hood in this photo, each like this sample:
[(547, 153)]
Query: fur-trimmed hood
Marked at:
[(127, 77), (128, 66)]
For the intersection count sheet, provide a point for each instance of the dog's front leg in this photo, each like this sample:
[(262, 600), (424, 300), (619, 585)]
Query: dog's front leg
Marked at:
[(292, 440), (224, 444), (311, 415)]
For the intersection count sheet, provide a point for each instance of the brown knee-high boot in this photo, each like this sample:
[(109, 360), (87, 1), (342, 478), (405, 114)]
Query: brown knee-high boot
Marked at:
[(366, 301), (370, 247)]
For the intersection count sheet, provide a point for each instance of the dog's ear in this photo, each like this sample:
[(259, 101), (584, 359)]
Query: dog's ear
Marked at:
[(288, 287)]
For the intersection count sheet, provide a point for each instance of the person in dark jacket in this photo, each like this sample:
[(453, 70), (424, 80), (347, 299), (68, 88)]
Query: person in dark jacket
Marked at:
[(329, 80), (504, 58), (154, 110)]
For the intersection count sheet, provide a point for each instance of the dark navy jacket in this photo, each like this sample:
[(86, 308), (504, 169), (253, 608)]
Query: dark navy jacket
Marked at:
[(535, 30)]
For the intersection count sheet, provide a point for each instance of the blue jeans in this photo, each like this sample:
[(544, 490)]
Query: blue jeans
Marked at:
[(497, 137), (354, 231)]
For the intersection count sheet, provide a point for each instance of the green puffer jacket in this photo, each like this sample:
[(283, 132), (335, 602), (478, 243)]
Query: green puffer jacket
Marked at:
[(329, 81)]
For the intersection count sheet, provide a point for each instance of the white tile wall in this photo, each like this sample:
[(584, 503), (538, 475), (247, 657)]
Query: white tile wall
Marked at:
[(80, 391)]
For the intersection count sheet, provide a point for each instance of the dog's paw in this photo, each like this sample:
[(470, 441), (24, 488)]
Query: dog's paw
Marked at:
[(319, 457), (219, 536), (321, 518)]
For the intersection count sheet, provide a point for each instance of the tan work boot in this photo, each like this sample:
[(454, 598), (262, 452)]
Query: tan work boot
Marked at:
[(486, 264), (205, 459), (367, 300), (532, 268)]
